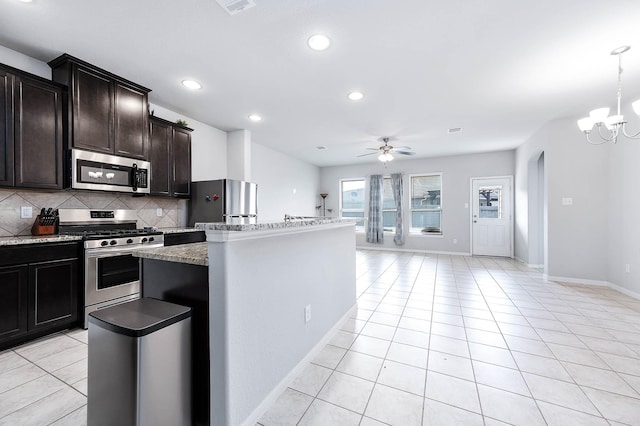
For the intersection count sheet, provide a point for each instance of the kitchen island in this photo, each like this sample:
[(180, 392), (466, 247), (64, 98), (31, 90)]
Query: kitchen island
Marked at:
[(276, 291)]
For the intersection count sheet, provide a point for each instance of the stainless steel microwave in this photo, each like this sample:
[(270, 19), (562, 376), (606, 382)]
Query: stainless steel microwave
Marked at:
[(104, 172)]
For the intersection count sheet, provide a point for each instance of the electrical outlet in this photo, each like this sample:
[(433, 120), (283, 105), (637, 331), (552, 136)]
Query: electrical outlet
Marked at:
[(455, 241), (627, 268), (159, 212), (26, 212), (307, 313)]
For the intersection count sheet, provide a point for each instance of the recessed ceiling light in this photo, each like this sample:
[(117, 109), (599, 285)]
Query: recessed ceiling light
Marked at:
[(255, 117), (355, 96), (455, 129), (319, 42), (191, 84)]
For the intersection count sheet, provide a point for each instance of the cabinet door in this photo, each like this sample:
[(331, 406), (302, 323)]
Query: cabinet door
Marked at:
[(38, 134), (131, 138), (13, 301), (92, 111), (181, 169), (53, 293), (159, 156), (6, 128)]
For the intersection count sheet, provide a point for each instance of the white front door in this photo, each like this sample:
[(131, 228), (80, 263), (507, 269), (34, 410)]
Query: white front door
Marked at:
[(492, 218)]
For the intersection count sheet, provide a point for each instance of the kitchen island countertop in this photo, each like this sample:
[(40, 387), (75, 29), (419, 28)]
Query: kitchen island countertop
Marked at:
[(38, 239), (193, 254)]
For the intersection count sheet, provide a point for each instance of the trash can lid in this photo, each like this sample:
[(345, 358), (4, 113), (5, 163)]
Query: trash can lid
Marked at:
[(139, 317)]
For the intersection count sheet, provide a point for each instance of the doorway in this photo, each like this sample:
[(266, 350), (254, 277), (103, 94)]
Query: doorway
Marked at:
[(492, 216)]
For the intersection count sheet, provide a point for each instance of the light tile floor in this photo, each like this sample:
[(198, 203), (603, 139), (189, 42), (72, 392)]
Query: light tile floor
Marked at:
[(453, 340), (436, 340)]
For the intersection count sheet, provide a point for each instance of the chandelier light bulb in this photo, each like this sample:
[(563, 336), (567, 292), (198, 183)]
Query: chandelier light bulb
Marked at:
[(585, 124), (599, 115), (636, 107)]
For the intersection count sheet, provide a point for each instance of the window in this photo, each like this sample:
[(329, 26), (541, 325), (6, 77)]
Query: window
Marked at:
[(352, 200), (426, 207), (388, 206)]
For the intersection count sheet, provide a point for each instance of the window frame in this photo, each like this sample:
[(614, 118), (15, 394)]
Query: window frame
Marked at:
[(364, 207), (439, 209)]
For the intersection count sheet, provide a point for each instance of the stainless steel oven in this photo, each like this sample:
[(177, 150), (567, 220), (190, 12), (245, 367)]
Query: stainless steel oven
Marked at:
[(111, 272)]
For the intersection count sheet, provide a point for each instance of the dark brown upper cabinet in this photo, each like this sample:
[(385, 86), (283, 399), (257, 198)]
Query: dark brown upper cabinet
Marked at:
[(106, 113), (31, 141), (170, 157)]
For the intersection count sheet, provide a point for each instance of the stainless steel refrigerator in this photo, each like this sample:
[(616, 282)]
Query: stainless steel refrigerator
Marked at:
[(223, 200)]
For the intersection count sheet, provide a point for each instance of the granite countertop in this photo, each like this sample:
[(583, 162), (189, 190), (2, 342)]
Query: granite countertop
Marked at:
[(193, 254), (295, 222), (39, 239)]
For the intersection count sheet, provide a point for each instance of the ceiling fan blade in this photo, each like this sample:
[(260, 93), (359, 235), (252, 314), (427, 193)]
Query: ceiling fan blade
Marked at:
[(373, 149), (364, 155), (401, 148), (405, 152)]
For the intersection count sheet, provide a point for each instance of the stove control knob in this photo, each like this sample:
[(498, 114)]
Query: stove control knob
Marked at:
[(144, 239), (113, 242), (129, 241), (104, 243), (151, 239)]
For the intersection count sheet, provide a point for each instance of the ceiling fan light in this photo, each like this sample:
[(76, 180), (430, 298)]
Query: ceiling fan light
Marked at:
[(599, 115), (636, 107), (385, 156), (585, 124)]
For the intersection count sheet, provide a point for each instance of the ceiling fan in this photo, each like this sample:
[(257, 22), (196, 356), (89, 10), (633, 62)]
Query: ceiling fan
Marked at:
[(384, 151)]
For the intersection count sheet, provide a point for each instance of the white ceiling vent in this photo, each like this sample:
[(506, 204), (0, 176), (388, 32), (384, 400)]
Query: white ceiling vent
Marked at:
[(236, 6)]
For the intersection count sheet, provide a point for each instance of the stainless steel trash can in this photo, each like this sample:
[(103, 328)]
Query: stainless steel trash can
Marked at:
[(140, 364)]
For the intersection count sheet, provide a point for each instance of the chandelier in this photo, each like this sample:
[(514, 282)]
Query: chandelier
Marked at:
[(609, 126)]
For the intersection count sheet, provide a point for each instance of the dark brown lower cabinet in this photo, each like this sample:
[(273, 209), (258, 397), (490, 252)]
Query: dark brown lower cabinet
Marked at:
[(53, 294), (40, 295), (13, 301)]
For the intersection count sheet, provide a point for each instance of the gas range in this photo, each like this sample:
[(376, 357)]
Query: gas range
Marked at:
[(111, 237), (107, 228)]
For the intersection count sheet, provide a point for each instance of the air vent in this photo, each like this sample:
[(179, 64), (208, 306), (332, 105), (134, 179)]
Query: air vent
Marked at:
[(455, 129), (321, 148), (234, 7)]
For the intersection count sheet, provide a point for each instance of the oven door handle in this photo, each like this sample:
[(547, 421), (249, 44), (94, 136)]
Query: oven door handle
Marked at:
[(110, 252)]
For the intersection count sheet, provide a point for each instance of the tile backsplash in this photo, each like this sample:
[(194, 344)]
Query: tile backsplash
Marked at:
[(174, 212)]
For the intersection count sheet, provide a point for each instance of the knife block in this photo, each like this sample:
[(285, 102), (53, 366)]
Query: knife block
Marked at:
[(38, 229)]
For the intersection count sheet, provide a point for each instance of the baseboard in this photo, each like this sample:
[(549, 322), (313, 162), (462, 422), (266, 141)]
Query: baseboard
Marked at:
[(448, 253), (271, 398), (572, 280), (583, 281), (626, 291)]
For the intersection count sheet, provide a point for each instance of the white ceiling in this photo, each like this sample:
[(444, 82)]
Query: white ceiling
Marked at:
[(499, 69)]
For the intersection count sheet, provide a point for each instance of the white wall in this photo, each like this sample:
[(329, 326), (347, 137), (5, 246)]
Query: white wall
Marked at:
[(259, 287), (285, 185), (457, 172), (623, 209), (527, 205)]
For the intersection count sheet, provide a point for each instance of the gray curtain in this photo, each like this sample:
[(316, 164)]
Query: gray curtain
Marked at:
[(396, 187), (375, 230)]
